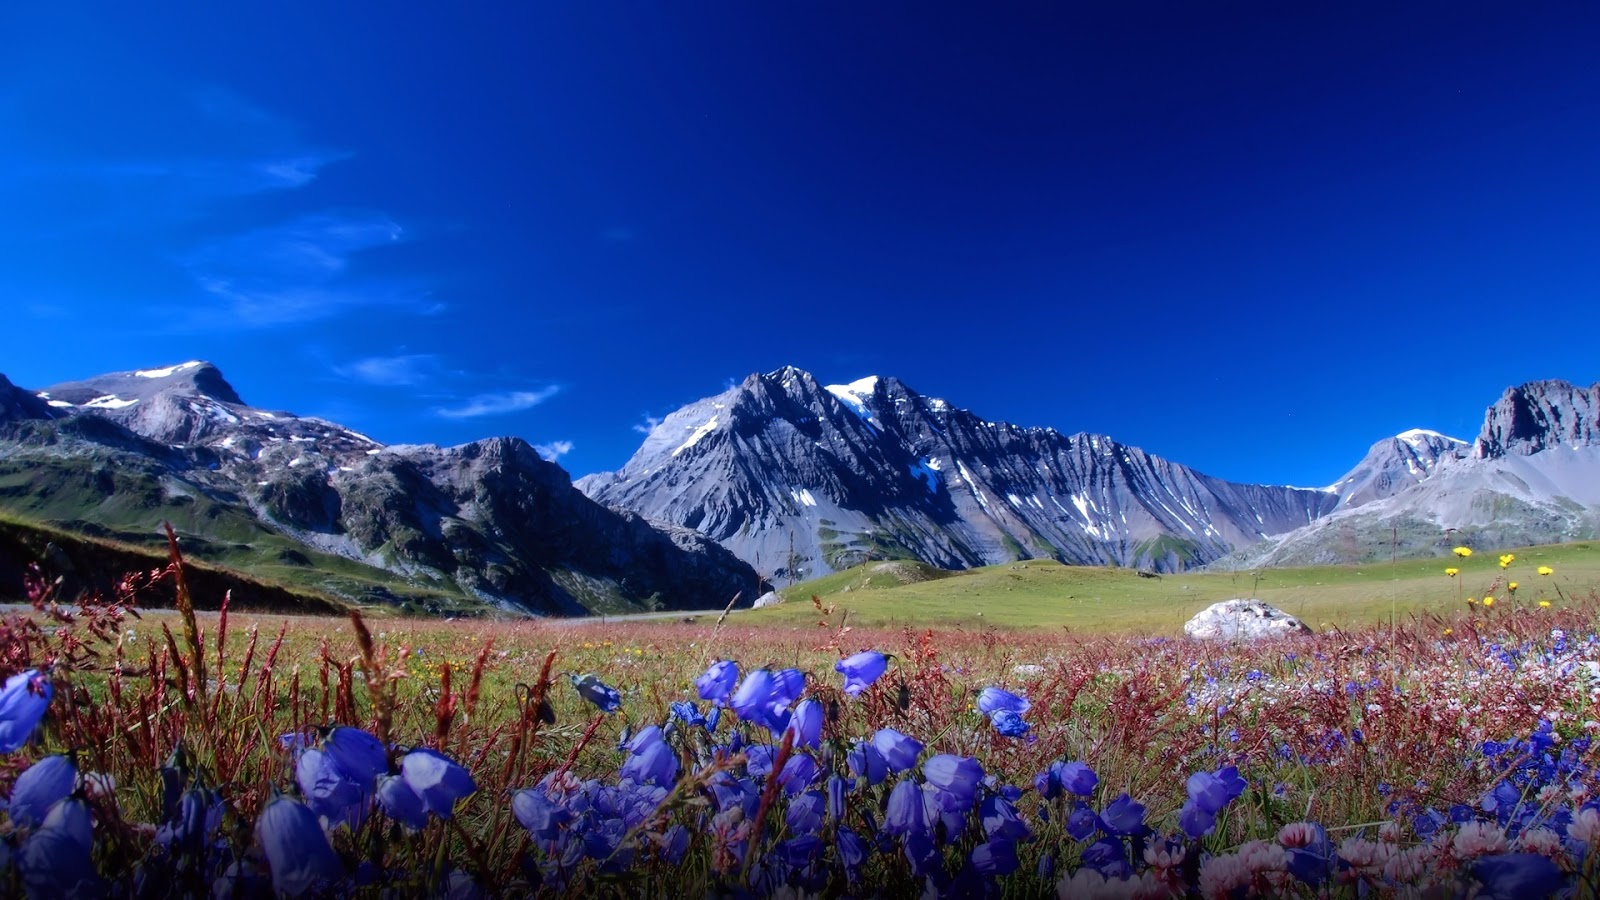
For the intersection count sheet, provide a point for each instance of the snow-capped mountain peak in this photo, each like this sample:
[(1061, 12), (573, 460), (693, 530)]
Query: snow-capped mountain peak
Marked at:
[(800, 479)]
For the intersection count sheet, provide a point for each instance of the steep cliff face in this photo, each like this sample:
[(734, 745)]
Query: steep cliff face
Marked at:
[(17, 404), (1538, 416), (801, 479), (489, 520)]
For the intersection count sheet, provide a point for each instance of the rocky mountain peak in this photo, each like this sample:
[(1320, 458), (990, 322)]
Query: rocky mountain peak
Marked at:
[(489, 521), (800, 479), (1394, 464), (1540, 415), (16, 403), (123, 390)]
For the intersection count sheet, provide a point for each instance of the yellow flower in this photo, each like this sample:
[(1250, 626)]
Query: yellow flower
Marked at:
[(1506, 558), (1463, 552), (1512, 587), (1546, 570), (1544, 604), (1447, 632), (1452, 571), (1488, 601), (1472, 600)]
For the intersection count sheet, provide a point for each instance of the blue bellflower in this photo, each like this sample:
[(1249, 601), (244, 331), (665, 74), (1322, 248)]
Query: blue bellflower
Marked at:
[(1512, 876), (1124, 817), (718, 681), (867, 764), (298, 853), (899, 751), (1008, 723), (954, 780), (602, 695), (764, 696), (57, 859), (439, 780), (401, 803), (993, 699), (23, 701), (651, 759), (329, 792), (806, 723), (40, 787), (861, 670), (359, 755)]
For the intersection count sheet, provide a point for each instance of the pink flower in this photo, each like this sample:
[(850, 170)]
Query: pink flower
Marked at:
[(1222, 876), (1585, 827), (1407, 867), (1477, 839), (1297, 834), (1542, 841)]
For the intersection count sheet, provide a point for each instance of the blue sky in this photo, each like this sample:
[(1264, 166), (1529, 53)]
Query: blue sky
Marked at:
[(1250, 238)]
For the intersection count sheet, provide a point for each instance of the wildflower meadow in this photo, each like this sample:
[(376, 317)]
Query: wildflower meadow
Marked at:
[(187, 754)]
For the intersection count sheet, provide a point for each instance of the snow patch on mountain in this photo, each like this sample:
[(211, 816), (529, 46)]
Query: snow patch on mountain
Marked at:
[(169, 370), (110, 401), (694, 438)]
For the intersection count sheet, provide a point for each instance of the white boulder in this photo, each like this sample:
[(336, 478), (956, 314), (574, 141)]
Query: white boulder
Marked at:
[(1243, 620), (770, 598)]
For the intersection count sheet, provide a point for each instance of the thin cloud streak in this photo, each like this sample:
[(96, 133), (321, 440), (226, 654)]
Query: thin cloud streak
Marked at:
[(299, 271), (402, 370), (498, 403), (554, 450)]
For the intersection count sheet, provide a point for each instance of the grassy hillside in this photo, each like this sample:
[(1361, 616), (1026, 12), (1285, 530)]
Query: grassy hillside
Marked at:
[(127, 501), (95, 564), (1043, 593)]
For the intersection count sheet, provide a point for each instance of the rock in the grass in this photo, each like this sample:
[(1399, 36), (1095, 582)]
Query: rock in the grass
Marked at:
[(1246, 620), (770, 598)]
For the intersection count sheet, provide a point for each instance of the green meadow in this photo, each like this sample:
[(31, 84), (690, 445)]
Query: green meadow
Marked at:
[(1047, 594)]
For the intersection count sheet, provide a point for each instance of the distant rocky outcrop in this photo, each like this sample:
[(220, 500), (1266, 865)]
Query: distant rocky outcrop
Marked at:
[(1243, 620), (1532, 476), (1538, 416), (490, 521), (800, 479)]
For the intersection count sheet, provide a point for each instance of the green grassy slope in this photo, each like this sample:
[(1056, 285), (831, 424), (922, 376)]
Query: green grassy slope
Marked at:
[(127, 501), (1043, 593), (96, 564)]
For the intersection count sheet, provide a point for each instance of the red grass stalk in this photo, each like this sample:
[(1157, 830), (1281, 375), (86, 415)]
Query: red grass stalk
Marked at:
[(185, 688), (444, 712), (191, 628), (379, 690), (769, 794)]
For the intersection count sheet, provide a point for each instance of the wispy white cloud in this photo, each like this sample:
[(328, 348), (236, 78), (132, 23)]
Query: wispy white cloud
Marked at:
[(230, 148), (401, 370), (554, 450), (499, 403), (648, 425), (298, 271)]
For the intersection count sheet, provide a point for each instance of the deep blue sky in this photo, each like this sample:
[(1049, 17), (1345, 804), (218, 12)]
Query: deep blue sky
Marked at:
[(1253, 239)]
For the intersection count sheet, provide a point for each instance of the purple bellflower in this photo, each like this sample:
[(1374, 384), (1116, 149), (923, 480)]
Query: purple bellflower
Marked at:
[(861, 670)]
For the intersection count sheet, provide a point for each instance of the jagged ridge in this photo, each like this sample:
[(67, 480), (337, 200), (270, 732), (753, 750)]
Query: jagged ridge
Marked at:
[(872, 468)]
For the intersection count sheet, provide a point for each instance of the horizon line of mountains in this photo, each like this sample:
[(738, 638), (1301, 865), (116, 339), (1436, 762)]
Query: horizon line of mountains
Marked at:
[(777, 479)]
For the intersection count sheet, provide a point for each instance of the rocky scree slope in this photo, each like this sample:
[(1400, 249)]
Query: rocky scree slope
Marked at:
[(1532, 476), (489, 522), (801, 479)]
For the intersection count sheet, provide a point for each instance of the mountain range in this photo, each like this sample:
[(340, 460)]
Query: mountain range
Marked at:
[(485, 524), (777, 479), (801, 479)]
